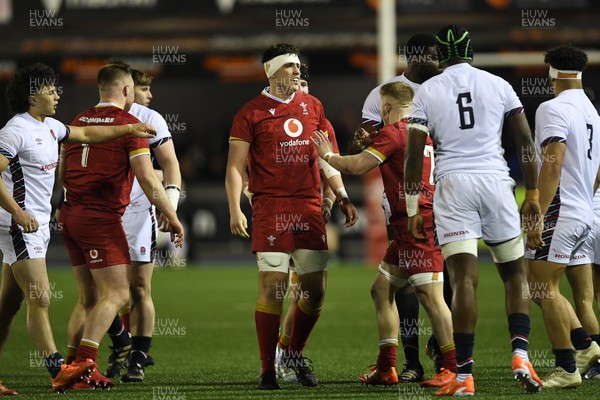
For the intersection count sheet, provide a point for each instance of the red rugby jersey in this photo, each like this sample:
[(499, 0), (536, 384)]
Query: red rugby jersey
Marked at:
[(98, 176), (283, 160), (389, 147)]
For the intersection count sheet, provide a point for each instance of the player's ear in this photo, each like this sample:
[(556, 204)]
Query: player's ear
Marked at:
[(387, 107)]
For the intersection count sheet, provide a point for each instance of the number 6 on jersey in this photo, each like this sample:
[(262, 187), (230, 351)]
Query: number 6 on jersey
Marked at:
[(465, 112)]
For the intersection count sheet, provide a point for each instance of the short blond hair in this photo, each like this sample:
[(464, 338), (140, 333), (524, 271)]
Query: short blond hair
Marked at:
[(399, 91), (141, 78)]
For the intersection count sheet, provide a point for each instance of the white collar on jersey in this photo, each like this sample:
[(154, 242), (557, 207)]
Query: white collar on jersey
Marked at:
[(265, 92), (30, 118), (555, 73), (107, 104)]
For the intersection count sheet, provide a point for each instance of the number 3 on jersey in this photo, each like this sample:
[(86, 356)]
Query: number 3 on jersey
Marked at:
[(467, 119)]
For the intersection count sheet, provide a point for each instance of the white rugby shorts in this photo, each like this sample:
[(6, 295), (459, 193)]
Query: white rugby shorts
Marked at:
[(141, 229), (17, 245), (473, 206), (566, 241)]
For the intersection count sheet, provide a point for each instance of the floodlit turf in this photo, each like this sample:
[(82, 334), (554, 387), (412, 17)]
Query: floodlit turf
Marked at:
[(205, 345)]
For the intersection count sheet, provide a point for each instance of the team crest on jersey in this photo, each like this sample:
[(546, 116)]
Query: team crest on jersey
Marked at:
[(271, 240), (142, 250), (304, 110), (53, 135), (293, 127)]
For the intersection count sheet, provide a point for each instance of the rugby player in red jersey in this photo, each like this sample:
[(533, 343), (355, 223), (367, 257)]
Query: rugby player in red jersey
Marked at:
[(406, 261), (271, 132), (98, 181)]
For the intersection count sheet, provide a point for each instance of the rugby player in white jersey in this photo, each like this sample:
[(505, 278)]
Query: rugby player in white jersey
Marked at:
[(421, 64), (594, 373), (28, 159), (463, 110), (570, 159), (140, 223)]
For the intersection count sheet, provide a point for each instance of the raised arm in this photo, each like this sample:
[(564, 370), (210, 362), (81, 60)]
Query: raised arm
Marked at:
[(357, 164), (100, 134)]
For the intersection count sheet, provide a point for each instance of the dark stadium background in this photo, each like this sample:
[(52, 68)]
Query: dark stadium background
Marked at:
[(214, 68)]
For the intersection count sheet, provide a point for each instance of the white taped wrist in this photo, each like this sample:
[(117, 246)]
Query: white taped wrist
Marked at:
[(173, 193), (327, 202), (412, 204), (327, 155), (327, 169), (341, 193)]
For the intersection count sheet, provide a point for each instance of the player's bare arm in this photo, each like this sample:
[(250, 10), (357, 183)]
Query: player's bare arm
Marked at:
[(530, 209), (357, 164), (171, 177), (337, 186), (27, 221), (101, 134), (236, 167), (413, 169), (154, 191)]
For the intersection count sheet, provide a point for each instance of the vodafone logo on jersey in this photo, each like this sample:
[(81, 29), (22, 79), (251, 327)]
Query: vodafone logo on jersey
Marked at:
[(293, 127)]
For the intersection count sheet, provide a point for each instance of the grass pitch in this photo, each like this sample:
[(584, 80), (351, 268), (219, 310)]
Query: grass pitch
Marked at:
[(205, 345)]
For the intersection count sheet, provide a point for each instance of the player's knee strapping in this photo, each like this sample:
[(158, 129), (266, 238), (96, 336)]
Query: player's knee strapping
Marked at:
[(426, 278), (308, 261), (272, 261), (394, 280), (468, 246), (507, 251)]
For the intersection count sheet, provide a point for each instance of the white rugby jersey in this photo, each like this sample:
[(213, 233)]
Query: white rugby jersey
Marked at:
[(138, 200), (571, 118), (31, 147), (371, 112), (463, 109)]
